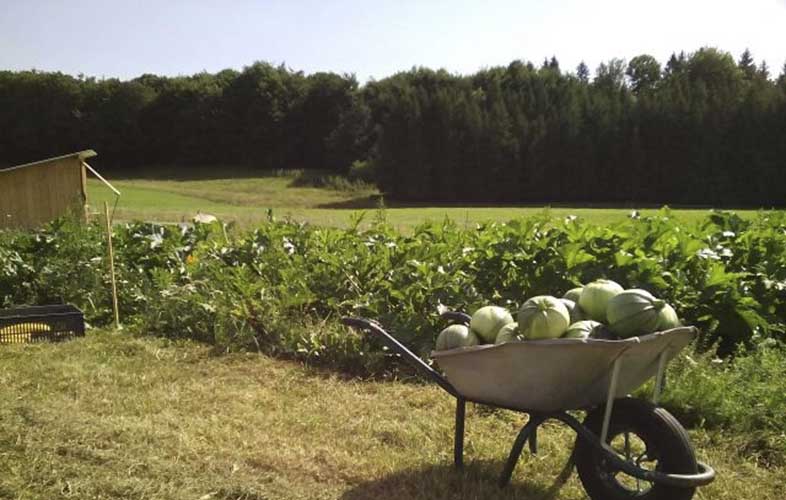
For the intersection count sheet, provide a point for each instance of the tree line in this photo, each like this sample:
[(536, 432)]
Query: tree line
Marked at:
[(702, 129), (264, 116)]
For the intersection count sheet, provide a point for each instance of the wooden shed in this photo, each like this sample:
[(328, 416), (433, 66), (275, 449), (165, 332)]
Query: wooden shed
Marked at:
[(35, 193)]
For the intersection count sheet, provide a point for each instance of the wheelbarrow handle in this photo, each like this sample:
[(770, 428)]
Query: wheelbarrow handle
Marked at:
[(398, 347), (456, 316)]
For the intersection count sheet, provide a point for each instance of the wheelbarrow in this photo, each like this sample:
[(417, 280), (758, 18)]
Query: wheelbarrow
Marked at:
[(625, 447)]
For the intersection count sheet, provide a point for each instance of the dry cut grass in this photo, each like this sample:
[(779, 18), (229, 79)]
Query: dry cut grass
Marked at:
[(111, 417)]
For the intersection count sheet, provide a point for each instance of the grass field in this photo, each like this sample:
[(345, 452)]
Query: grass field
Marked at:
[(111, 416), (246, 200)]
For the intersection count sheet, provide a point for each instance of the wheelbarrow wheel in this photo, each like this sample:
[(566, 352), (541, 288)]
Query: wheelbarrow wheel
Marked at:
[(641, 433)]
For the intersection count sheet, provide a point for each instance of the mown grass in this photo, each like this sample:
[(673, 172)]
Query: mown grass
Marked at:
[(111, 416), (246, 200)]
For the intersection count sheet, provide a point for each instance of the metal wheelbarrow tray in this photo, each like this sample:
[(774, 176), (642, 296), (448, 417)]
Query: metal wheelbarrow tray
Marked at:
[(548, 378)]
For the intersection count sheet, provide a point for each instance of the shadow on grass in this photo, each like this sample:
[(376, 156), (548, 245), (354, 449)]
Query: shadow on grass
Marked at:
[(189, 172), (373, 201), (443, 482), (362, 202)]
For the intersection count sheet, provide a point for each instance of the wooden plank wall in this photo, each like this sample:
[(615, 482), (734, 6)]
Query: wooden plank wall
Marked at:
[(30, 196)]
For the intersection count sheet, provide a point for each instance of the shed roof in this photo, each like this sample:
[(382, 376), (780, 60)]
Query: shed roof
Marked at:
[(82, 155)]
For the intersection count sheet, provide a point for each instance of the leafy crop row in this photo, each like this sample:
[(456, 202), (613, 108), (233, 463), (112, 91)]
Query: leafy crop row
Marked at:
[(726, 275)]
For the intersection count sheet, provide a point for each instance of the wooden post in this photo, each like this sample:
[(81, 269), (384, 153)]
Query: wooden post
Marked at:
[(112, 266)]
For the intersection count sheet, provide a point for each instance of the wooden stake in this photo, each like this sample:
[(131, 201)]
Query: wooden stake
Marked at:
[(112, 266)]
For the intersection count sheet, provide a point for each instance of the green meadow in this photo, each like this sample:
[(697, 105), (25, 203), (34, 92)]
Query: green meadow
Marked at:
[(249, 200)]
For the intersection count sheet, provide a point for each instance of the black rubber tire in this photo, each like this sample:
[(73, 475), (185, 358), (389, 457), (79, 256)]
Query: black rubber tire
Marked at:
[(661, 433)]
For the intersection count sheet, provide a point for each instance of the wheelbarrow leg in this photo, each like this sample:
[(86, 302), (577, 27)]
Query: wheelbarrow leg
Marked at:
[(458, 441), (533, 441), (515, 452)]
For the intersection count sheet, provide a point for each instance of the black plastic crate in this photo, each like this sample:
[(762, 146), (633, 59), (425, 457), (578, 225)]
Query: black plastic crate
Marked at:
[(22, 325)]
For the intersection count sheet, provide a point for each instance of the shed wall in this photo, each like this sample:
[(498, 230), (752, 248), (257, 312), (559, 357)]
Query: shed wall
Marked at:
[(32, 195)]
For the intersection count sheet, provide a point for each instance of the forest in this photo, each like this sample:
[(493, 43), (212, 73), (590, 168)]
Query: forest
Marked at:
[(703, 128)]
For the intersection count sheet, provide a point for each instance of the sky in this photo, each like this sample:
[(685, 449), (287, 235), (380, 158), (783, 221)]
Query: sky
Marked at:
[(372, 38)]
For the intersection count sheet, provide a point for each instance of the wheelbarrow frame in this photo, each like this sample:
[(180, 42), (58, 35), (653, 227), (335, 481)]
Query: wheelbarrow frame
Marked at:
[(529, 431)]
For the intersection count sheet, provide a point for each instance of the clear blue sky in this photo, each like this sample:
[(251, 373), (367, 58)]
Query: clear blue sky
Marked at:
[(372, 38)]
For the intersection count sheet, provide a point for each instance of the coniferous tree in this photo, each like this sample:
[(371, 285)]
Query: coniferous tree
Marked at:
[(764, 71), (747, 65), (675, 64), (582, 72), (782, 77), (554, 64)]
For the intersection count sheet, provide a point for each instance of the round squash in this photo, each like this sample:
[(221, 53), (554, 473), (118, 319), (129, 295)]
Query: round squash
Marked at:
[(637, 312), (543, 317), (595, 297), (487, 321), (456, 336)]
